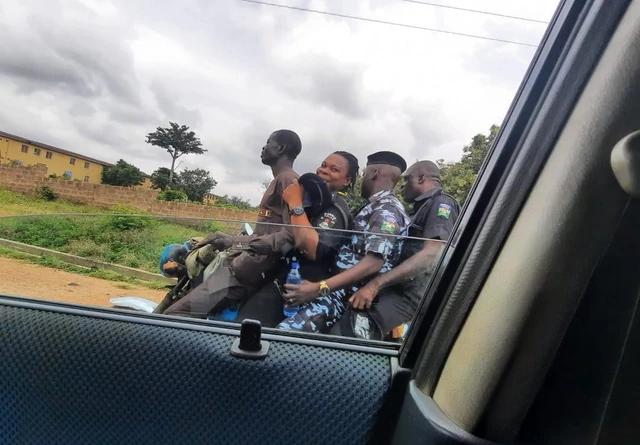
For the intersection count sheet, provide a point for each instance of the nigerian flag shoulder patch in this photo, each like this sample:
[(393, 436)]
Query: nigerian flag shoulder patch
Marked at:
[(444, 210), (388, 227)]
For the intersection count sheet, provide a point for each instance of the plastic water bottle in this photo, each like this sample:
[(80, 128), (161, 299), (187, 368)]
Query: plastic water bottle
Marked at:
[(293, 278)]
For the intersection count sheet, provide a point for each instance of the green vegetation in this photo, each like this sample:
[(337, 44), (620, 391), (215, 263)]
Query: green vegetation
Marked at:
[(46, 193), (17, 203), (122, 174), (172, 195), (233, 202), (46, 261), (133, 241)]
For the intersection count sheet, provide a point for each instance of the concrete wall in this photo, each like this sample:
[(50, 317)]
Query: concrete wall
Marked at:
[(29, 179)]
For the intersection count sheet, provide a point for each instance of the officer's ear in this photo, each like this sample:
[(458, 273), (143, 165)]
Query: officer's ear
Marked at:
[(422, 178)]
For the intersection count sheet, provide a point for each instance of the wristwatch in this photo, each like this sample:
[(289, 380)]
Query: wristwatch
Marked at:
[(324, 289), (297, 211)]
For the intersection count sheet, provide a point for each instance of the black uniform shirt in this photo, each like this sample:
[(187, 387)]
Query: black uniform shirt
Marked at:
[(437, 220)]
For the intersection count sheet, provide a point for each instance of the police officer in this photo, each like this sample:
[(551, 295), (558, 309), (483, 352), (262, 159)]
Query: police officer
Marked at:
[(373, 248), (394, 296)]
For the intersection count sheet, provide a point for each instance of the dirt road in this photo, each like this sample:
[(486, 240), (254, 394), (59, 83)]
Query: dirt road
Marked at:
[(28, 280)]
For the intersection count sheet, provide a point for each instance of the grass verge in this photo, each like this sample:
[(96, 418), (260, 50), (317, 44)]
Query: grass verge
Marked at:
[(124, 281), (132, 241)]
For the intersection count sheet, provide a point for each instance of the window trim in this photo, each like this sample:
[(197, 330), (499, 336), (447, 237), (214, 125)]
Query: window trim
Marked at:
[(214, 327)]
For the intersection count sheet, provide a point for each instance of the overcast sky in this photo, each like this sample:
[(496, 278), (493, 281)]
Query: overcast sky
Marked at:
[(95, 76)]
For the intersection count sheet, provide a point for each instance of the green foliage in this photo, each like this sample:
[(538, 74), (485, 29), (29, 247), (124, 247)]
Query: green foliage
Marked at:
[(172, 195), (457, 178), (353, 194), (122, 174), (160, 179), (128, 223), (133, 241), (233, 202), (18, 203), (196, 183), (177, 140), (46, 193)]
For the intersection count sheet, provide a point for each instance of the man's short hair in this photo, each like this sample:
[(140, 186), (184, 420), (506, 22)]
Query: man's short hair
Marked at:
[(291, 140)]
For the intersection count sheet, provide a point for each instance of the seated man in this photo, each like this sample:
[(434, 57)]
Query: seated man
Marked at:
[(393, 297), (372, 249), (243, 272)]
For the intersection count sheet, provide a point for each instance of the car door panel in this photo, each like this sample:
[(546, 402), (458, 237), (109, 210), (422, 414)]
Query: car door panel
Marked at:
[(69, 378)]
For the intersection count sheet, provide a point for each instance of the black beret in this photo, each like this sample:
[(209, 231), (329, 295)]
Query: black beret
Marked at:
[(317, 195), (389, 158)]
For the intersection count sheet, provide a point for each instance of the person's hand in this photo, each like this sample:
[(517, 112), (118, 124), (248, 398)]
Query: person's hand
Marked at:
[(217, 240), (297, 295), (363, 298), (293, 194)]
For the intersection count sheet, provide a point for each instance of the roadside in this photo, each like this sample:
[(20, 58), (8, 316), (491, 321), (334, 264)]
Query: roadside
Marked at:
[(29, 280)]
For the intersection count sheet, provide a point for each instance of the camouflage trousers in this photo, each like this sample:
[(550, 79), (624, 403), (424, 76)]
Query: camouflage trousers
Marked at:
[(320, 314)]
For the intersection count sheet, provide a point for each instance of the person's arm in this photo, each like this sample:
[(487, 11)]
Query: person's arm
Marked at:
[(367, 266), (309, 291), (438, 226), (419, 264), (306, 238), (379, 243)]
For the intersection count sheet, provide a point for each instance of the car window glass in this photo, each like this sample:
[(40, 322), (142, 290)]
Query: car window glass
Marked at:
[(300, 164)]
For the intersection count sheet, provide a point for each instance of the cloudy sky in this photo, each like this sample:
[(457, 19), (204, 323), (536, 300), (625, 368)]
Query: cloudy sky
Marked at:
[(95, 76)]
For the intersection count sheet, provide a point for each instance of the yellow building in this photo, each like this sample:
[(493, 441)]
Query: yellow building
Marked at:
[(60, 162)]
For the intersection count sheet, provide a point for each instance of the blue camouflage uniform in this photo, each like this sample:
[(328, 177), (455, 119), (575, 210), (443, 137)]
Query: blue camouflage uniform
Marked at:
[(376, 224)]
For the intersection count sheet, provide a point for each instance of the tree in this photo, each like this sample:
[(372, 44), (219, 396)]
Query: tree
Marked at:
[(160, 179), (122, 174), (178, 141), (457, 178), (196, 183), (234, 202)]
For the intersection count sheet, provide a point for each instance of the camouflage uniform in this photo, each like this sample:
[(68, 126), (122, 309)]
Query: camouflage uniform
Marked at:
[(376, 224)]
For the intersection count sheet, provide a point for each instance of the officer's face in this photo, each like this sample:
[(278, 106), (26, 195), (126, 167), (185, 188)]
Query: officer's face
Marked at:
[(333, 171), (410, 189), (271, 151), (367, 181)]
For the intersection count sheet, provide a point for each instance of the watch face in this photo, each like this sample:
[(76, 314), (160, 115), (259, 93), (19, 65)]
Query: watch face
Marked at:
[(298, 210), (324, 291)]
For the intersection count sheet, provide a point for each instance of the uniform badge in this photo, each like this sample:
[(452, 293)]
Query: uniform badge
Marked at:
[(388, 227), (328, 220), (444, 210)]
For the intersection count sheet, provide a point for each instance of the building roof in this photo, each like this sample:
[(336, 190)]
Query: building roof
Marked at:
[(52, 148)]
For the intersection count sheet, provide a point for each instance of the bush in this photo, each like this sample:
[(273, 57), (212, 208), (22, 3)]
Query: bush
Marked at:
[(47, 232), (173, 195), (46, 193)]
